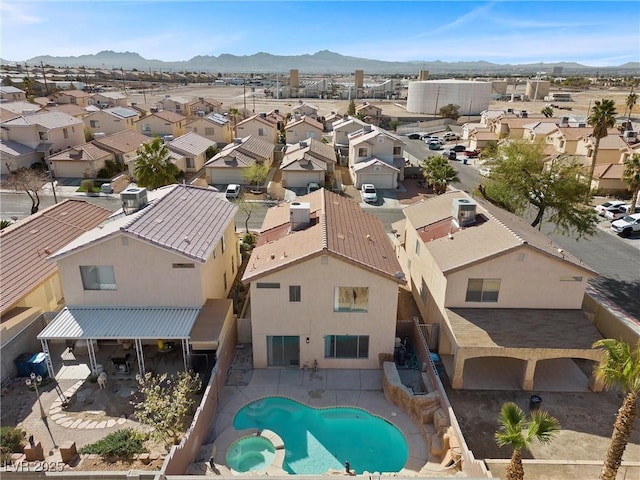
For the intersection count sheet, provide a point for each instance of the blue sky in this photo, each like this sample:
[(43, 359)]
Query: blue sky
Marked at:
[(596, 33)]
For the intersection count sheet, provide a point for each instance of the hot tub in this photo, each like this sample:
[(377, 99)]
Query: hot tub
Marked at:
[(252, 453)]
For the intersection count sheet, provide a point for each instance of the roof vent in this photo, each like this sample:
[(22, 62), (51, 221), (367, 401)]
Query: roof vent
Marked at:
[(299, 215), (99, 135), (153, 109), (303, 144), (463, 212), (168, 138), (237, 141)]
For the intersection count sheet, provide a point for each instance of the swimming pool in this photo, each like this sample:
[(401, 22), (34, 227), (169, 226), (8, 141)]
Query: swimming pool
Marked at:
[(250, 454), (317, 440)]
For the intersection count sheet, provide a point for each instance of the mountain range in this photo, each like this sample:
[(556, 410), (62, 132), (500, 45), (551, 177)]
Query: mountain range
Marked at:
[(322, 62)]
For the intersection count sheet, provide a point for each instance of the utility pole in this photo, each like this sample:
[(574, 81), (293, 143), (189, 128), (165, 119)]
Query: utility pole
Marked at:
[(435, 110), (44, 77), (244, 94), (124, 85)]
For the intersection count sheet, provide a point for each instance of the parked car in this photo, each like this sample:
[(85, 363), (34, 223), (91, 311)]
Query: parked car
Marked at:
[(448, 136), (472, 153), (614, 213), (627, 225), (434, 145), (232, 191), (312, 187), (369, 193), (458, 148), (611, 203), (414, 136), (450, 154)]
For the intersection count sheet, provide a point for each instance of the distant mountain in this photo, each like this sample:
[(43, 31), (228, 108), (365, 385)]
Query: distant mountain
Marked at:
[(320, 62)]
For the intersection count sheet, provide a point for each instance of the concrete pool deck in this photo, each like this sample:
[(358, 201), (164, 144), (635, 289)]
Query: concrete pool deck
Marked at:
[(324, 388)]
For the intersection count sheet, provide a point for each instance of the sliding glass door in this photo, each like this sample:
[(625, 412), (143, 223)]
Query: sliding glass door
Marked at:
[(283, 351)]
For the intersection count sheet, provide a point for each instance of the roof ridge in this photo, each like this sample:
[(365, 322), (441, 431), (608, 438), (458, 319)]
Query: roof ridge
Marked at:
[(500, 222), (323, 221)]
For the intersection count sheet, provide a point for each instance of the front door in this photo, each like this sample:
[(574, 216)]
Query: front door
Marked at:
[(283, 351)]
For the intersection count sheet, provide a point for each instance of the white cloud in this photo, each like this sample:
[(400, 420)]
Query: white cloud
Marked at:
[(16, 14)]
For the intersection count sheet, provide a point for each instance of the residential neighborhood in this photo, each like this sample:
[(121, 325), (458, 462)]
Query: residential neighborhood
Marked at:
[(299, 259)]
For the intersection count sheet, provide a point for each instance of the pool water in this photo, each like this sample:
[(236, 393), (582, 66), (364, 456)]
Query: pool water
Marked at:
[(316, 440), (250, 454)]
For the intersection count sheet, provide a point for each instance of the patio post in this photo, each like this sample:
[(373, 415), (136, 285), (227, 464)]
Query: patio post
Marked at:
[(140, 356), (185, 352), (45, 349), (92, 357)]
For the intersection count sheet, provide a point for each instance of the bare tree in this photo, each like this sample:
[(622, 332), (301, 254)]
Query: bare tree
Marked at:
[(29, 180)]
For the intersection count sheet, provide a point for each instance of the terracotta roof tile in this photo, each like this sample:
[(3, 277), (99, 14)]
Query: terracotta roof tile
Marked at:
[(169, 116), (124, 142)]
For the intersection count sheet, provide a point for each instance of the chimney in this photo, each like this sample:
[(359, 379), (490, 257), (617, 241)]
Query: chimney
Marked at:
[(463, 212)]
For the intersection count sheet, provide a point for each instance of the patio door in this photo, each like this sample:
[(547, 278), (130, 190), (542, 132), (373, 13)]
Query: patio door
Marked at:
[(283, 351)]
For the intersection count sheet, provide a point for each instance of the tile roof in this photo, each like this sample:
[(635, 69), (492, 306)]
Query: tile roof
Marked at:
[(209, 100), (313, 149), (191, 144), (125, 141), (574, 133), (246, 152), (611, 171), (338, 227), (176, 99), (187, 220), (27, 244), (499, 233), (86, 151), (364, 135), (111, 95), (374, 161), (69, 109), (45, 119), (258, 118), (7, 114), (73, 93), (485, 135), (305, 119), (541, 127), (519, 122), (169, 116), (14, 149), (10, 89)]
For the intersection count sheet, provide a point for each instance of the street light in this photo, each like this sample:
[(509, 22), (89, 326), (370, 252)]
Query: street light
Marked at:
[(36, 380)]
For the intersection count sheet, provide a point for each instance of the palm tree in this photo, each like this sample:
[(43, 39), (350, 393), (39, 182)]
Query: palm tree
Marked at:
[(234, 114), (620, 368), (547, 111), (518, 431), (632, 98), (154, 168), (631, 176), (602, 118), (438, 173)]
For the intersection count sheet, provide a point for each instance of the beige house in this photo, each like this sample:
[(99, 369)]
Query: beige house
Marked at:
[(76, 97), (607, 178), (369, 112), (205, 105), (138, 278), (124, 145), (12, 94), (375, 156), (566, 139), (229, 165), (111, 120), (108, 99), (175, 104), (305, 109), (306, 162), (342, 128), (539, 130), (514, 127), (505, 300), (81, 161), (193, 147), (162, 123), (17, 155), (612, 149), (480, 139), (323, 291), (303, 128), (215, 127), (259, 126)]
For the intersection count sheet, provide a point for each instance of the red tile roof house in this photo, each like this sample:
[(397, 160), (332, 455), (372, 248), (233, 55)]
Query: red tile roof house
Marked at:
[(506, 300), (324, 286), (29, 282)]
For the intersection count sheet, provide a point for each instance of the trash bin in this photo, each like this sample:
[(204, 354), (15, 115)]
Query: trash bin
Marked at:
[(22, 364), (38, 364), (465, 160), (534, 402)]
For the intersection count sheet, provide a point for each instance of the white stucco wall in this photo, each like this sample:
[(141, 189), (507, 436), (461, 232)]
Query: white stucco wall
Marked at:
[(429, 96)]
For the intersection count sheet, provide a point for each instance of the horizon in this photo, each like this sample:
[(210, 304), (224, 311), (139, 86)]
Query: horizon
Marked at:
[(584, 32)]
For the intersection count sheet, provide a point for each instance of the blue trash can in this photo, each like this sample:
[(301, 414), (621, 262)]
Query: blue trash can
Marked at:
[(22, 364), (38, 364)]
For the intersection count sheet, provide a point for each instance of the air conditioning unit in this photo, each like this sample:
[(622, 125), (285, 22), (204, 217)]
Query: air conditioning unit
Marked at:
[(630, 135), (133, 199), (463, 212)]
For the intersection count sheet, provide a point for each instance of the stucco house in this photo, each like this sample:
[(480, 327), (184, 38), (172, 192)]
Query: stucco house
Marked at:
[(566, 139), (215, 127), (81, 161), (205, 105), (305, 109), (12, 94), (175, 104), (229, 165), (303, 128), (612, 149), (259, 125), (306, 162), (45, 133), (342, 128), (539, 130), (193, 147), (111, 120), (480, 139), (159, 270), (324, 290), (375, 156), (371, 113), (607, 178), (124, 145), (76, 97), (502, 302), (162, 123), (514, 126), (108, 99)]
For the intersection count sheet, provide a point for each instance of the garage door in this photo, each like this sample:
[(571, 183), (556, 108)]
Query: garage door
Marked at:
[(301, 179), (380, 180), (224, 176), (72, 169)]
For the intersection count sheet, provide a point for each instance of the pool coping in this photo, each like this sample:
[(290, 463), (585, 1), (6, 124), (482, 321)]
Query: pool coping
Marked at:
[(278, 445)]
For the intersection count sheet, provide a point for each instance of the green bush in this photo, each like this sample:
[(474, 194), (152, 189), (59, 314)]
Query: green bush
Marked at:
[(103, 173), (12, 440), (121, 444)]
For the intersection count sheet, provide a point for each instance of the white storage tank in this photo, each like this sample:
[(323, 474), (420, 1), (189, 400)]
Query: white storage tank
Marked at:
[(427, 97)]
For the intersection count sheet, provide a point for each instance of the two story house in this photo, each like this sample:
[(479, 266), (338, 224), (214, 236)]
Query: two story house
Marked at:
[(305, 109), (324, 291), (81, 161), (12, 94), (193, 147), (302, 128), (342, 128), (229, 165), (306, 162), (214, 127), (260, 126), (75, 97), (502, 302), (159, 270), (162, 123), (205, 105), (108, 99), (111, 120), (375, 156), (175, 104), (369, 112)]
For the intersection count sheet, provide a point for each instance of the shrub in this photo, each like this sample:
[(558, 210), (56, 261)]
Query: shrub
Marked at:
[(12, 440), (86, 185), (103, 173), (119, 444)]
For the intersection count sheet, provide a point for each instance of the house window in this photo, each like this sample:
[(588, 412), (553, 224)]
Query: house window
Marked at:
[(65, 133), (222, 243), (194, 129), (417, 247), (98, 277), (233, 264), (397, 150), (261, 132), (571, 279), (267, 285), (362, 152), (294, 293), (346, 346), (191, 163), (94, 123), (423, 292), (351, 299), (209, 132), (224, 279), (183, 265), (146, 127), (311, 134), (483, 290), (43, 135)]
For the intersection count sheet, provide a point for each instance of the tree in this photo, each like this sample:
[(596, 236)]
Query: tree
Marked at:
[(631, 176), (557, 190), (27, 86), (29, 180), (620, 368), (247, 208), (167, 402), (154, 167), (5, 223), (632, 98), (518, 432), (450, 111), (351, 109), (438, 173), (211, 152), (6, 82), (602, 118), (547, 111), (234, 114), (490, 150), (256, 173)]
